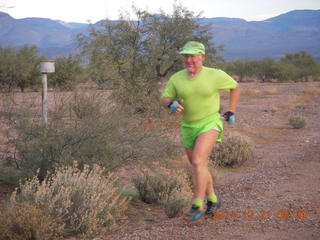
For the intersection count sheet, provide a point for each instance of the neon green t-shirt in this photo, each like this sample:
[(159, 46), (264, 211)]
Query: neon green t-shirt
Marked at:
[(201, 93)]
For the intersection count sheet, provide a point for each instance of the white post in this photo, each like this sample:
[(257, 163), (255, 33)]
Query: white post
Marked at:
[(45, 67), (44, 99)]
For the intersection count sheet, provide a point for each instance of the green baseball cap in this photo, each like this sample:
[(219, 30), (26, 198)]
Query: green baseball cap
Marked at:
[(193, 47)]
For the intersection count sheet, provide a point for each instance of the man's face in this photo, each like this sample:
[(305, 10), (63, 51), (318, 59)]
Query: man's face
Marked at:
[(193, 62)]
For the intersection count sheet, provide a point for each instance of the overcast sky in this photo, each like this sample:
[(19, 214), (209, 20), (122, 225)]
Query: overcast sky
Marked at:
[(95, 10)]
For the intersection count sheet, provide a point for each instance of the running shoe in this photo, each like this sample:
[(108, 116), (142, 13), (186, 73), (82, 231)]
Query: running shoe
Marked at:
[(211, 208), (194, 214)]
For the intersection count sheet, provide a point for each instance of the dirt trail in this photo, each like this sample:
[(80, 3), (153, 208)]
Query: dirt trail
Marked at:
[(276, 195)]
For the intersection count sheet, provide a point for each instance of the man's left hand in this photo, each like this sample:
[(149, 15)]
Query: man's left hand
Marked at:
[(229, 117)]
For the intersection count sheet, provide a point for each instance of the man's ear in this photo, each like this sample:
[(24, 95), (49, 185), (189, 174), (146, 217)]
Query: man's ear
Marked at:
[(203, 57)]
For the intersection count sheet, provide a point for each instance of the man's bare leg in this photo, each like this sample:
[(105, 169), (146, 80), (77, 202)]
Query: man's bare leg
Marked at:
[(198, 157)]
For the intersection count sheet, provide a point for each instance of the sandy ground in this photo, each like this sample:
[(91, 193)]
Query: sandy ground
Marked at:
[(275, 195)]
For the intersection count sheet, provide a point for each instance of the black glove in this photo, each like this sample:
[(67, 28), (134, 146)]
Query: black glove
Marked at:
[(229, 117)]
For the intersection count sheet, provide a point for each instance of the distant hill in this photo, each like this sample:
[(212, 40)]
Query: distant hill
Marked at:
[(290, 32), (50, 36)]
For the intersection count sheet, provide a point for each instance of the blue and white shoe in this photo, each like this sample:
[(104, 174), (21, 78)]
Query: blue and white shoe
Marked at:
[(194, 214), (212, 208)]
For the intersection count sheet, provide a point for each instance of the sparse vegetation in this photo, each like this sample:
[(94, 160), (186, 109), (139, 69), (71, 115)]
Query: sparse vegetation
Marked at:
[(233, 151), (297, 122)]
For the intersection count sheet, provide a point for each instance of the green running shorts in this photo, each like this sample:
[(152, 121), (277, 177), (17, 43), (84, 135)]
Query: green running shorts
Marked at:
[(191, 130)]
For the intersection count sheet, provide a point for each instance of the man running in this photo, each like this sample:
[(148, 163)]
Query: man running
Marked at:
[(194, 92)]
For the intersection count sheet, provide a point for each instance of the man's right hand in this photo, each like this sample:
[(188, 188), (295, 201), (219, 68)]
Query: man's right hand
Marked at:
[(175, 106)]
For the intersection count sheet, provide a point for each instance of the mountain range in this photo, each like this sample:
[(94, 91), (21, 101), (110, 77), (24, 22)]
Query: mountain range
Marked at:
[(298, 30)]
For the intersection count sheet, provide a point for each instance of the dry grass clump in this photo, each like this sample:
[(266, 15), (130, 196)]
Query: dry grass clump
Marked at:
[(25, 221), (86, 106), (162, 187), (156, 189), (175, 207), (83, 201), (171, 188), (234, 151), (297, 122)]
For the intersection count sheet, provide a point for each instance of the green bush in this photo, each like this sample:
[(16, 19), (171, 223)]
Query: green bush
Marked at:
[(234, 151), (82, 201), (297, 122)]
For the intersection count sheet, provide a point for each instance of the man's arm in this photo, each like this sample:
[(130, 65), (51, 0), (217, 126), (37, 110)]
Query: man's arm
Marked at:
[(165, 101), (234, 97)]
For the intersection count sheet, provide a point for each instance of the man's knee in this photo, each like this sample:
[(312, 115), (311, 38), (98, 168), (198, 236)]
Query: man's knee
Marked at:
[(198, 164)]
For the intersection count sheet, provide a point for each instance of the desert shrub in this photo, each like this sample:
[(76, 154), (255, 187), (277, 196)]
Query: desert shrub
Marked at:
[(133, 194), (47, 148), (171, 188), (83, 201), (297, 122), (140, 97), (80, 130), (25, 221), (234, 151), (86, 106), (88, 128), (175, 208), (158, 188)]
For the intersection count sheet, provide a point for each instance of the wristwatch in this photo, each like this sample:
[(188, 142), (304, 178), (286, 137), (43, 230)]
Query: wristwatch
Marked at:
[(169, 104)]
